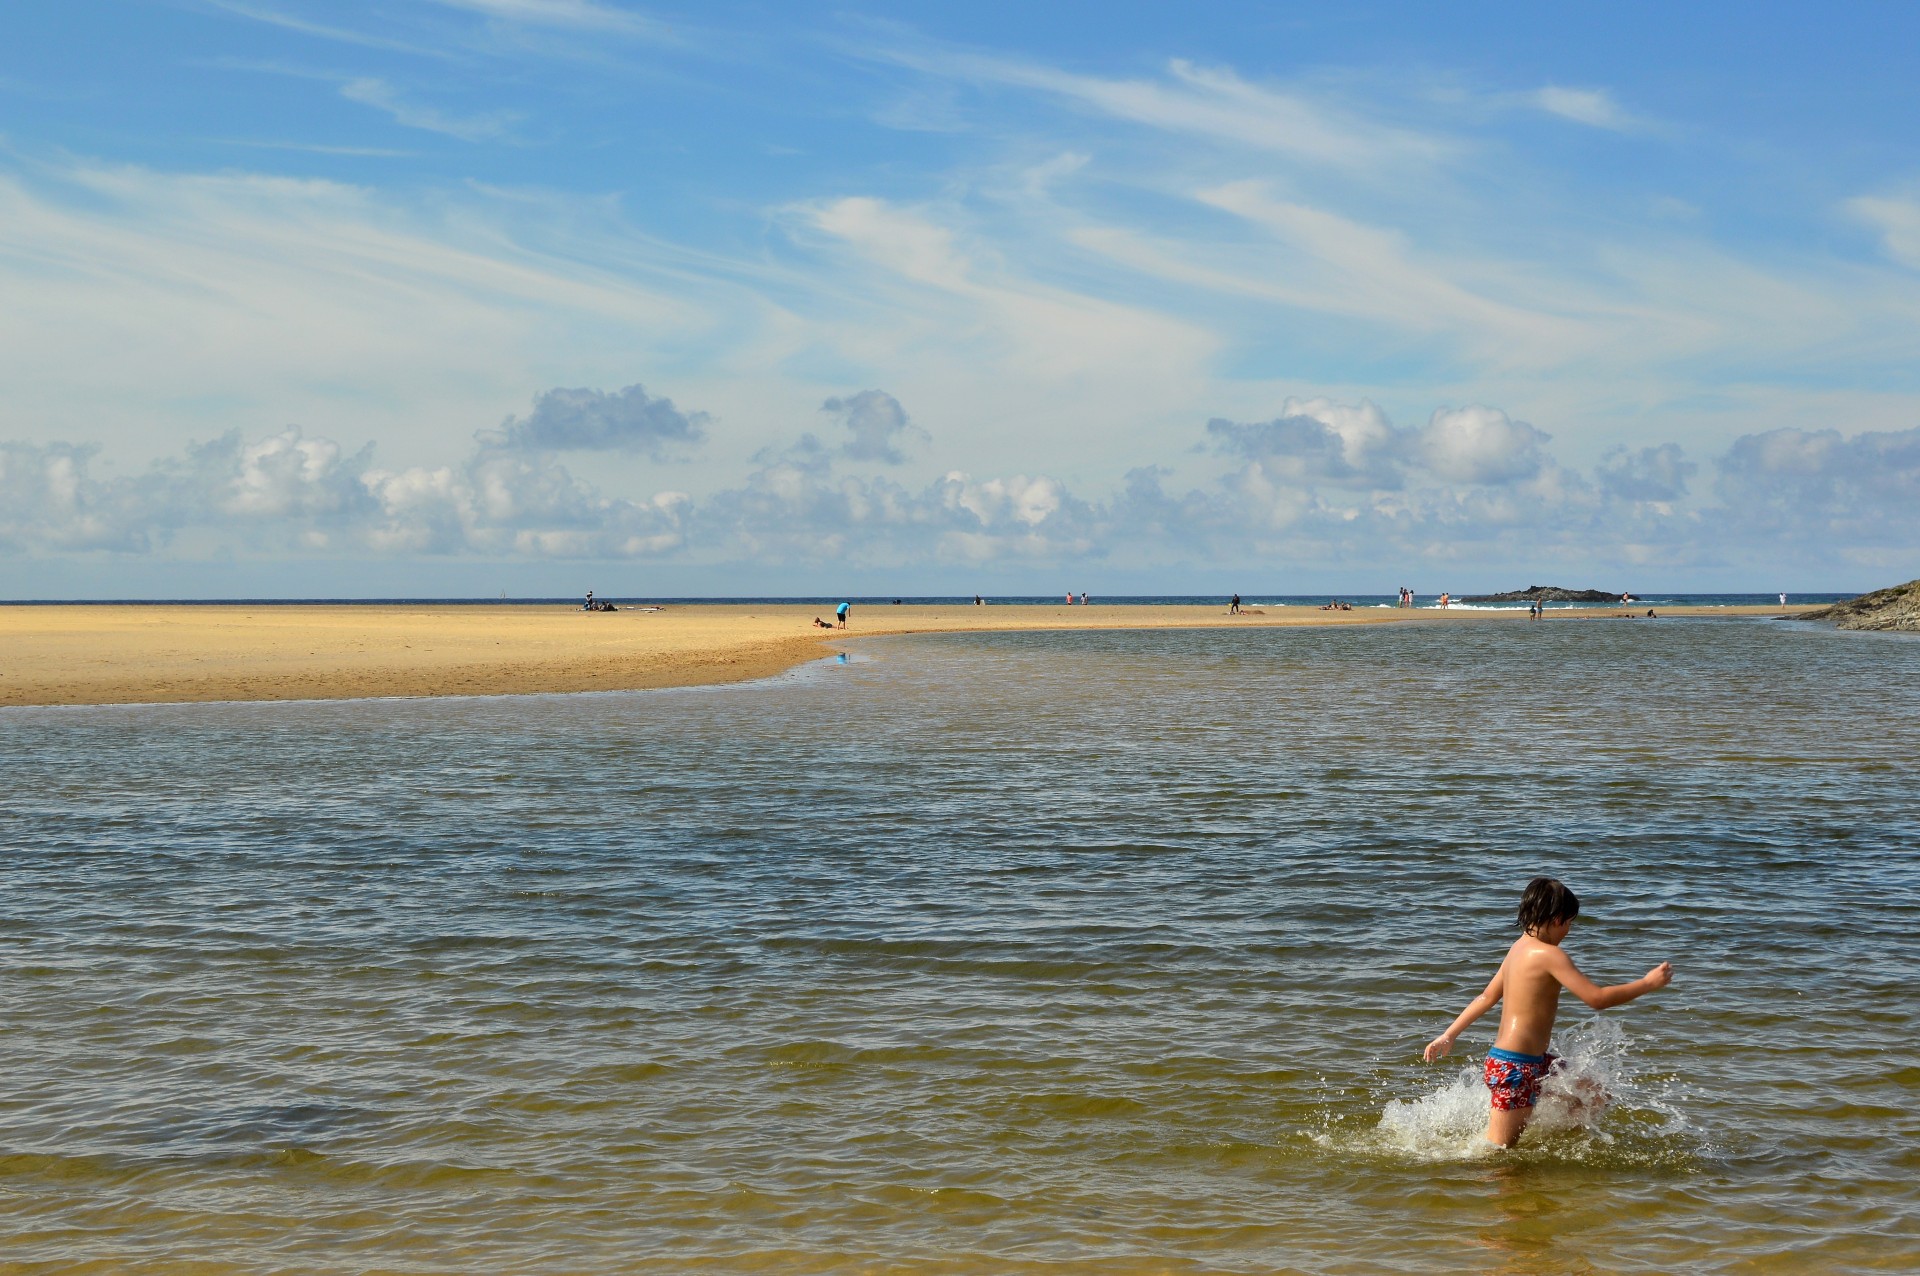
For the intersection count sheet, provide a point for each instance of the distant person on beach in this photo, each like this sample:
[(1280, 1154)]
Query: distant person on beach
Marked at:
[(1233, 608), (588, 605), (1083, 598), (840, 614), (821, 624), (1783, 600), (979, 601), (1529, 982), (1069, 598), (1446, 599)]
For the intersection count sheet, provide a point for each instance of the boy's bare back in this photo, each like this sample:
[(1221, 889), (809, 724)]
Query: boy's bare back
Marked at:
[(1527, 987)]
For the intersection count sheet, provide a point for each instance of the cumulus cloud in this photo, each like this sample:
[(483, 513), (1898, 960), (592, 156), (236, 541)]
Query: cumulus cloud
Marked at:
[(877, 423), (512, 504), (1649, 474), (49, 501), (1481, 445), (1865, 487), (1319, 439), (595, 421), (1321, 482), (795, 504)]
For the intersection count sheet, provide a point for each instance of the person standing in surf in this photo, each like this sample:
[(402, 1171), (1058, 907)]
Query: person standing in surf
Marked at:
[(1529, 982)]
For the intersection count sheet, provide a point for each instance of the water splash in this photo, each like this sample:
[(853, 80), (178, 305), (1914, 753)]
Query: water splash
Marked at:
[(1594, 1106)]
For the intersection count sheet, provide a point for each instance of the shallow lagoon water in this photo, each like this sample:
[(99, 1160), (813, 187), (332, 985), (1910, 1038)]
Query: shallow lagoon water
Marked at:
[(1005, 952)]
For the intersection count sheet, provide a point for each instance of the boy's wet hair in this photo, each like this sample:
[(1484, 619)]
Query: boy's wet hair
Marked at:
[(1547, 899)]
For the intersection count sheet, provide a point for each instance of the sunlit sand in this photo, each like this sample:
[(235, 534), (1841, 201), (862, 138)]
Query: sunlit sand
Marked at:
[(129, 654)]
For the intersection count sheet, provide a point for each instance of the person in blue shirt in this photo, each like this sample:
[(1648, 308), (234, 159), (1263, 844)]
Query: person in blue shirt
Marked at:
[(840, 613)]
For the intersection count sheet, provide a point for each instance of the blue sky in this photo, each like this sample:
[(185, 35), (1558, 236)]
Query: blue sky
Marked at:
[(456, 296)]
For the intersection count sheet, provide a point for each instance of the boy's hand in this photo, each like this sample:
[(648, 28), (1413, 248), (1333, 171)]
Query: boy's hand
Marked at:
[(1660, 976), (1438, 1048)]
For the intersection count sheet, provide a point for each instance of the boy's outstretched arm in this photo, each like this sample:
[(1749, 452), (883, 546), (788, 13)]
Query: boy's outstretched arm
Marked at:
[(1614, 994), (1443, 1044)]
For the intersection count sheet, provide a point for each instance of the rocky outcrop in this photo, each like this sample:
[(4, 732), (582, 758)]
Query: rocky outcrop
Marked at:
[(1895, 608), (1546, 594)]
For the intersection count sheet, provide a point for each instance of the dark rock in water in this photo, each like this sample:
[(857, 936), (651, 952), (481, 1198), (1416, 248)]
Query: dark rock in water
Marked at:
[(1895, 608), (1546, 594)]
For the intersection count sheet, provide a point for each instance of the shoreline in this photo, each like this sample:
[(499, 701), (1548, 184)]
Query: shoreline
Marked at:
[(183, 653)]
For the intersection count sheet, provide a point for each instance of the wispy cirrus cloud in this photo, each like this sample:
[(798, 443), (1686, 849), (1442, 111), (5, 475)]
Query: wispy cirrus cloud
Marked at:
[(1592, 107), (485, 126), (1209, 102), (1898, 221), (580, 15), (323, 30)]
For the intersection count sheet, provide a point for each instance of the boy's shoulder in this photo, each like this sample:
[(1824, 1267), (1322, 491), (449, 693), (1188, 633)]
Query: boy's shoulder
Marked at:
[(1528, 947)]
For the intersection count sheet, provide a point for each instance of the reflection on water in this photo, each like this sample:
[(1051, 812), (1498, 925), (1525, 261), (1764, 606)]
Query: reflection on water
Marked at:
[(974, 953)]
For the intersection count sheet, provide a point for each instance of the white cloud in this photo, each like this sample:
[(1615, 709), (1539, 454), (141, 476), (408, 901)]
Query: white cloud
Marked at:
[(973, 302), (1593, 107), (1825, 486), (582, 420), (878, 425), (382, 96), (1320, 440), (581, 15), (1213, 103), (1481, 445), (189, 304), (1324, 484), (1647, 474), (49, 502), (1897, 220)]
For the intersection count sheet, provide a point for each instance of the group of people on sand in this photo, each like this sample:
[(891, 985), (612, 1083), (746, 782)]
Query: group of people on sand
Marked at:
[(840, 615), (593, 604), (1336, 605)]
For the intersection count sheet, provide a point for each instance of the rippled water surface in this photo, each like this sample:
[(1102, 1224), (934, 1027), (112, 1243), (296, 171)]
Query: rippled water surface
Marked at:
[(1006, 952)]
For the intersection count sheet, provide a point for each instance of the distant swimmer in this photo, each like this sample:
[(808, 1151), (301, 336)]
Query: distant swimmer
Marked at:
[(1529, 982)]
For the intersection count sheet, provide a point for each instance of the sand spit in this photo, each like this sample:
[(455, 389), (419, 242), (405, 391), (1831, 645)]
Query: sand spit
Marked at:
[(164, 653)]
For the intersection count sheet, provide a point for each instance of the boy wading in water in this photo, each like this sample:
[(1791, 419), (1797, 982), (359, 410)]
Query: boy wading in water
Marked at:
[(1529, 981)]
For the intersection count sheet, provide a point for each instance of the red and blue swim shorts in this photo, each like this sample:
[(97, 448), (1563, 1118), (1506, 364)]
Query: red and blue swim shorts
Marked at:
[(1514, 1078)]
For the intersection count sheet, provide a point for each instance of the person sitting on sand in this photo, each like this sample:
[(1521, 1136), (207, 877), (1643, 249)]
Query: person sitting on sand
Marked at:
[(1529, 982)]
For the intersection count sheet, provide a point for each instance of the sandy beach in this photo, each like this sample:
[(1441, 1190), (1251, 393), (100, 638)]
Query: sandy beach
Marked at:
[(166, 653)]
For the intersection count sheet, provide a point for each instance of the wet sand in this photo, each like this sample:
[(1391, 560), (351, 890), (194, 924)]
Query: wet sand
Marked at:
[(165, 653)]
